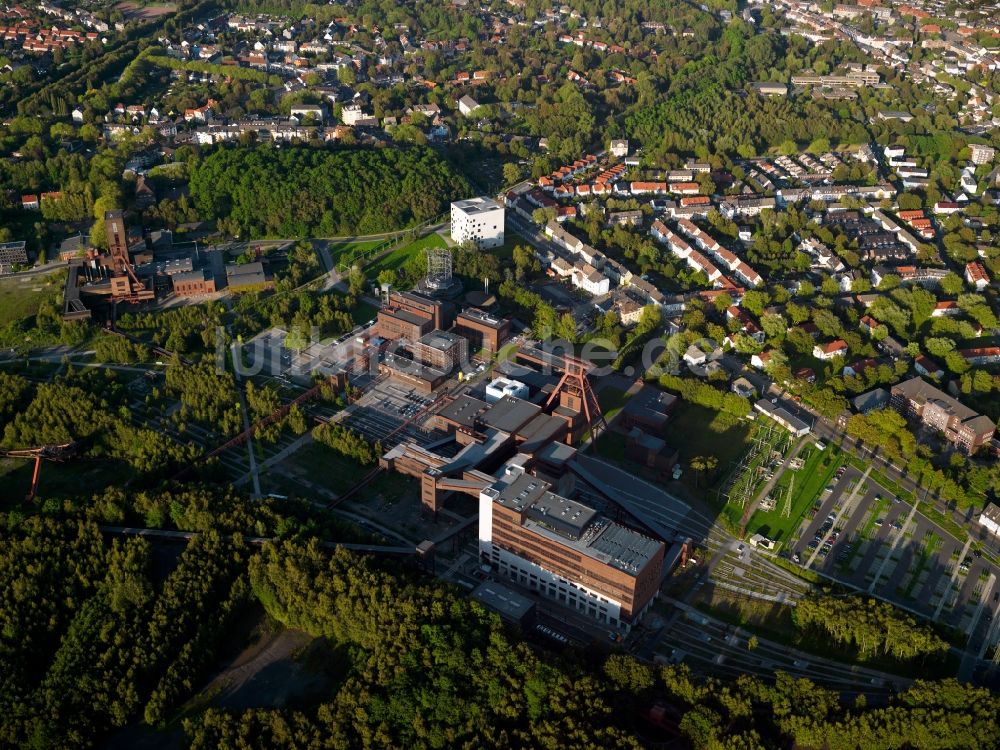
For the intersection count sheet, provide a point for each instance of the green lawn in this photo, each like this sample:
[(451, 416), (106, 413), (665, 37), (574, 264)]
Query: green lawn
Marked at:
[(401, 256), (20, 298), (325, 467), (363, 312), (807, 484), (611, 401), (505, 253), (344, 251), (697, 431)]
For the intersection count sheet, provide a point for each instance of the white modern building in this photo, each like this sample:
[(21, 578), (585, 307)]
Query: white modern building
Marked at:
[(501, 388), (477, 220), (990, 518)]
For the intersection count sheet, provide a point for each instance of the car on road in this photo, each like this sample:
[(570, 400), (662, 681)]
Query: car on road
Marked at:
[(879, 521), (897, 526), (812, 545)]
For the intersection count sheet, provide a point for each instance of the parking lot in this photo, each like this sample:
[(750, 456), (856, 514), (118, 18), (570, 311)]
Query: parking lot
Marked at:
[(859, 533)]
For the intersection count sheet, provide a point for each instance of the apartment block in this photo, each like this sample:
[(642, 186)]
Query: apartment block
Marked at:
[(933, 408)]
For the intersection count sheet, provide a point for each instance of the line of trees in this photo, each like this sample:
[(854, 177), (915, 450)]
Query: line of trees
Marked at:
[(89, 641), (875, 628), (704, 394)]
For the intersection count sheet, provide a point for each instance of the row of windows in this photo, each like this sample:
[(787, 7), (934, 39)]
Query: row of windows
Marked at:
[(557, 560), (566, 593)]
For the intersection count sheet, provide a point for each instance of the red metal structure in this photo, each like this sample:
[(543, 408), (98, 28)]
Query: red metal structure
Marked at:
[(574, 392), (42, 453)]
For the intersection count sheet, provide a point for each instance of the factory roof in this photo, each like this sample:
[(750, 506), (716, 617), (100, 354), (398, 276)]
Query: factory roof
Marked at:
[(463, 410), (440, 340), (481, 317), (539, 432), (510, 414)]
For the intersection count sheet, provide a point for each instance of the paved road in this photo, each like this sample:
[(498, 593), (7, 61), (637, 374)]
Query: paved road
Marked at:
[(36, 271)]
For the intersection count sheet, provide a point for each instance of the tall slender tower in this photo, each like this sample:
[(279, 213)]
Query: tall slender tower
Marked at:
[(114, 227)]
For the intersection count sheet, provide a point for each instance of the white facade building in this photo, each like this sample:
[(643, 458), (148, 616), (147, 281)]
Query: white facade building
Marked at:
[(990, 518), (478, 220), (500, 388)]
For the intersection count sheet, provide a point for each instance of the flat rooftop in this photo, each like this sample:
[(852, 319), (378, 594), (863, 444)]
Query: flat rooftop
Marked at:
[(463, 410), (404, 315), (482, 318), (440, 340), (476, 205), (506, 602), (577, 526), (510, 414), (409, 367)]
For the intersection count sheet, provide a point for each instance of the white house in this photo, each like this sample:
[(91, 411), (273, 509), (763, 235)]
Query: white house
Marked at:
[(981, 154), (695, 356), (77, 115), (478, 220), (619, 148), (467, 105), (976, 275), (836, 348)]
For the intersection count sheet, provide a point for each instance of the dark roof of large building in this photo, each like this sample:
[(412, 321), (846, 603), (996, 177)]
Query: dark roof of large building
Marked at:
[(404, 315), (463, 410), (576, 525), (480, 317), (650, 401), (510, 414), (506, 602), (539, 432), (247, 274)]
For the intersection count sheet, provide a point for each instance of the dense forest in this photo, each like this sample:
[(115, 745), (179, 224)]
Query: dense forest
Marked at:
[(95, 635), (303, 192)]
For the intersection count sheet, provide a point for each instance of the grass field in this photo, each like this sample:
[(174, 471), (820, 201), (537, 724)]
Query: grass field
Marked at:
[(325, 467), (808, 483), (20, 298), (363, 312), (401, 256), (697, 431), (343, 251), (611, 401)]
